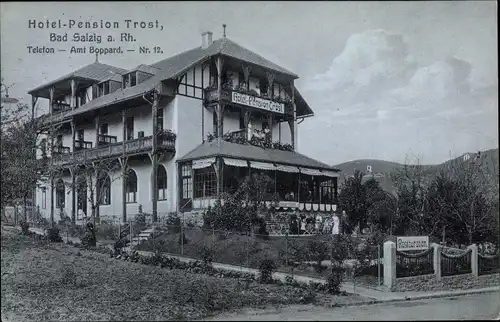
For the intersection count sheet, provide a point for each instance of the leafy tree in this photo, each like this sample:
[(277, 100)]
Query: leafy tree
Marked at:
[(244, 209), (352, 199)]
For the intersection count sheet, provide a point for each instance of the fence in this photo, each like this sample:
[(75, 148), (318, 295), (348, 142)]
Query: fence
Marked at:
[(414, 264), (488, 264), (456, 264)]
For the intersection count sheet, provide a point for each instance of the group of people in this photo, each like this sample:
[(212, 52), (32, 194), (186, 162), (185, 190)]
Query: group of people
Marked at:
[(316, 224)]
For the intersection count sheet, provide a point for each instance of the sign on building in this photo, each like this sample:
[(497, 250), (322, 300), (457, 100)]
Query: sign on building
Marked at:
[(257, 102), (412, 243)]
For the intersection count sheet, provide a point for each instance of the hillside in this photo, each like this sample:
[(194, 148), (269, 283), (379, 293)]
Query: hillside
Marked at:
[(381, 169)]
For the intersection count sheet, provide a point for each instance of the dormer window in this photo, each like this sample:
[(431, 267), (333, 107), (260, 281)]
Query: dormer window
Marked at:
[(103, 89), (130, 80)]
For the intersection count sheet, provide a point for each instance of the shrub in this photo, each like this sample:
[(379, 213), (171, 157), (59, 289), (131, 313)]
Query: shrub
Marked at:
[(54, 235), (68, 275), (267, 267), (207, 254), (183, 239), (174, 222), (334, 280), (25, 228)]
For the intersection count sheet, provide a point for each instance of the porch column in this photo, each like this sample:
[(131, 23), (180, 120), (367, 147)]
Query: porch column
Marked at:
[(73, 196), (293, 122), (96, 131), (123, 163), (73, 94), (52, 198), (154, 156), (246, 74), (220, 106), (247, 116), (51, 99)]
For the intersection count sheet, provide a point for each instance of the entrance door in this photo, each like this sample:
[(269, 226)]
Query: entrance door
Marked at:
[(81, 198)]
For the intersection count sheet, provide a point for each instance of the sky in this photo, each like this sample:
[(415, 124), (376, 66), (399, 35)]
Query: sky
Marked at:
[(386, 80)]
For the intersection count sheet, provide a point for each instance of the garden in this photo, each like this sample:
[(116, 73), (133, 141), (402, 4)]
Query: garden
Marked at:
[(77, 282)]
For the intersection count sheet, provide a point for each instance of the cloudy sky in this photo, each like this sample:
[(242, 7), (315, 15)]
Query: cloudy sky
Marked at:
[(386, 80)]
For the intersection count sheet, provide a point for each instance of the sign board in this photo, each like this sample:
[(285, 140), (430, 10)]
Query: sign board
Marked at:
[(257, 102), (412, 243), (288, 204)]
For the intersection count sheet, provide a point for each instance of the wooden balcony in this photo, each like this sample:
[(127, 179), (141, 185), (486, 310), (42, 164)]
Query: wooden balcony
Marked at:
[(114, 150), (82, 145), (59, 149), (104, 140), (251, 99), (58, 107)]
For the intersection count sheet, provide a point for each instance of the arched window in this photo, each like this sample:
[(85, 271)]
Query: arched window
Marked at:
[(131, 186), (60, 198), (161, 181), (103, 189)]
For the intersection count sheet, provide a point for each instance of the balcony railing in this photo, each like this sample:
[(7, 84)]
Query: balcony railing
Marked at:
[(59, 149), (131, 147), (106, 139), (80, 145), (276, 104), (58, 107)]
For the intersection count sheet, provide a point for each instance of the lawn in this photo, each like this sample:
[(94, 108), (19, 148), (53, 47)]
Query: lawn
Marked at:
[(58, 282)]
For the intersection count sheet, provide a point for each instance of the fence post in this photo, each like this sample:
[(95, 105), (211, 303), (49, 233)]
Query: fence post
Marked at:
[(131, 233), (248, 249), (182, 240), (437, 260), (389, 264), (286, 251), (378, 263), (153, 233), (119, 231), (474, 260)]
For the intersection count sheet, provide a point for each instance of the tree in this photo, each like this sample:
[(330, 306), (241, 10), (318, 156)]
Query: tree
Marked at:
[(94, 177), (352, 199), (245, 208), (19, 168), (411, 183)]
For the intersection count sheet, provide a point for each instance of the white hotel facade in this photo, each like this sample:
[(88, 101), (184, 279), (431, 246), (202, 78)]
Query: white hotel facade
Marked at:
[(220, 112)]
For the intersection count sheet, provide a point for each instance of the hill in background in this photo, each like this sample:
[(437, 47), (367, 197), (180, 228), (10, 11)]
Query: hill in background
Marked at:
[(381, 169)]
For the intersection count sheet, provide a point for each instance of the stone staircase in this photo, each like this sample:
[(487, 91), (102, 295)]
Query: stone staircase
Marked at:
[(144, 235)]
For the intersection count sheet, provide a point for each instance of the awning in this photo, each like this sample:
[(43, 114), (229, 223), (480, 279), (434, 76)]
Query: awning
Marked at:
[(235, 162), (331, 174), (262, 165), (311, 172), (287, 168), (203, 163)]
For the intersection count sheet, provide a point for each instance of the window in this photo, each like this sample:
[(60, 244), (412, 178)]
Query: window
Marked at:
[(80, 135), (44, 198), (133, 79), (103, 189), (130, 128), (242, 119), (60, 200), (131, 187), (214, 116), (160, 119), (205, 183), (83, 97), (187, 181), (327, 191), (104, 129), (161, 181), (59, 140)]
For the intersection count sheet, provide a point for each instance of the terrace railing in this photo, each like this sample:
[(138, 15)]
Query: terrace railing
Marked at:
[(456, 264), (488, 264), (59, 149), (81, 144), (408, 264), (106, 139)]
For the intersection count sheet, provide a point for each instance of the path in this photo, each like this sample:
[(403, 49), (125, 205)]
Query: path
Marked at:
[(472, 307)]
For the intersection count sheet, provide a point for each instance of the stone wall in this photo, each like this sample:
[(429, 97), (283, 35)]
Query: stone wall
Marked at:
[(430, 283)]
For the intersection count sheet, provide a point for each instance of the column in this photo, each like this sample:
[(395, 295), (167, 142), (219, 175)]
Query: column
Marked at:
[(73, 94), (154, 156), (220, 107), (123, 162), (96, 131), (293, 123), (474, 260), (51, 99), (51, 199), (73, 196), (389, 264), (436, 261)]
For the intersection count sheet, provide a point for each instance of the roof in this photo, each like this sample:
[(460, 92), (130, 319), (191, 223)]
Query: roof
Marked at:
[(251, 152), (95, 71), (170, 68)]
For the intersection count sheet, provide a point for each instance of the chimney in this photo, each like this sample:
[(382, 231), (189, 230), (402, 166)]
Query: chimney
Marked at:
[(206, 39)]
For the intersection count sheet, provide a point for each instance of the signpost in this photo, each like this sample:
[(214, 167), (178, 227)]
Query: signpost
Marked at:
[(407, 243)]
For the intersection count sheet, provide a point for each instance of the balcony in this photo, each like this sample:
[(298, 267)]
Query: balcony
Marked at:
[(250, 98), (114, 150), (58, 107), (82, 145), (59, 149), (104, 140)]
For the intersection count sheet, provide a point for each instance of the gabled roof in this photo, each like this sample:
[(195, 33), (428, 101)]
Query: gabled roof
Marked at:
[(95, 71), (251, 152)]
